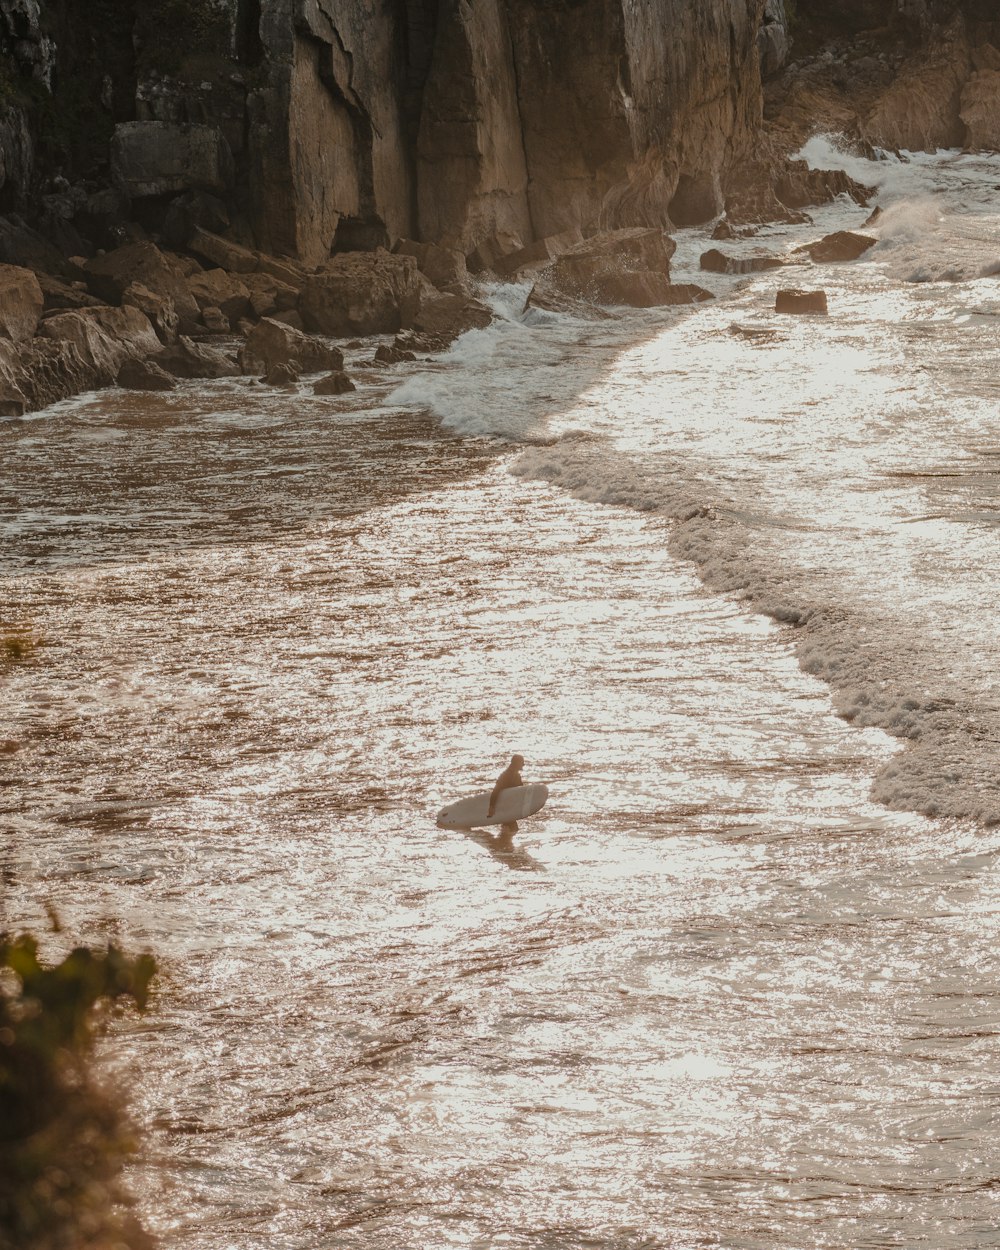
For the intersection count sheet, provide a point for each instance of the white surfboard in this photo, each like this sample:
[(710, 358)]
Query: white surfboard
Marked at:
[(513, 804)]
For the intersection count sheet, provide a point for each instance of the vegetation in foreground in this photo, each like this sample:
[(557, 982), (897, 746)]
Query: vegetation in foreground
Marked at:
[(64, 1137)]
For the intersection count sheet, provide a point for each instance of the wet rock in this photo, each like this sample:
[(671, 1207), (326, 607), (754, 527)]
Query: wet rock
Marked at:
[(715, 261), (108, 276), (549, 298), (158, 308), (489, 252), (157, 158), (635, 288), (336, 383), (632, 247), (448, 315), (281, 375), (361, 293), (538, 253), (794, 301), (187, 359), (687, 293), (289, 317), (21, 303), (798, 186), (214, 288), (842, 245), (441, 266), (385, 355), (412, 341), (104, 338), (272, 343), (144, 375)]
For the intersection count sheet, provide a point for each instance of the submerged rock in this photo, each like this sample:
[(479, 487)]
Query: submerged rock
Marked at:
[(794, 301), (842, 245), (715, 261), (336, 383), (144, 375), (272, 343)]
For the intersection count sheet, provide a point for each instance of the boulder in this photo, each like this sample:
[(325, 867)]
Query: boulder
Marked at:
[(798, 186), (840, 246), (281, 375), (268, 293), (21, 303), (792, 301), (289, 317), (445, 313), (41, 372), (289, 272), (491, 250), (538, 253), (980, 111), (214, 288), (632, 288), (215, 320), (159, 157), (158, 308), (545, 295), (442, 266), (633, 247), (144, 375), (187, 359), (715, 261), (336, 383), (272, 343), (108, 276), (60, 296), (385, 355), (104, 338), (361, 293), (222, 253)]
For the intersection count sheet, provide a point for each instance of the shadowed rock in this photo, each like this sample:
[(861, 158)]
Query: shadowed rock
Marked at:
[(842, 245), (272, 343), (715, 261), (144, 375), (21, 302), (336, 383), (794, 301)]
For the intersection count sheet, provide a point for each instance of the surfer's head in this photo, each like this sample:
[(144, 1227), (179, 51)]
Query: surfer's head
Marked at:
[(517, 761)]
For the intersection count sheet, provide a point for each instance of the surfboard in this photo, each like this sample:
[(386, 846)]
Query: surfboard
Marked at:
[(513, 804)]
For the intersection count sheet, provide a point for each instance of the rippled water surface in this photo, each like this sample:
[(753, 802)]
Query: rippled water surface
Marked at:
[(716, 993)]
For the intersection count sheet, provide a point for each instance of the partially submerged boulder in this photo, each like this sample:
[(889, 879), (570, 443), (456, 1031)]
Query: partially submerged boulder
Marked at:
[(21, 303), (716, 261), (144, 375), (187, 359), (842, 245), (336, 383), (444, 313), (795, 301), (391, 355), (538, 253), (361, 293), (272, 343)]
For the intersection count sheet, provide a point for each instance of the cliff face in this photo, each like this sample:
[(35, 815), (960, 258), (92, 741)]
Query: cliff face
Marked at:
[(346, 123), (302, 126)]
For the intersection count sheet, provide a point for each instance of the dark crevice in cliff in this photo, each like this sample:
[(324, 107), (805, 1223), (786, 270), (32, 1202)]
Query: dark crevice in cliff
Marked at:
[(249, 47)]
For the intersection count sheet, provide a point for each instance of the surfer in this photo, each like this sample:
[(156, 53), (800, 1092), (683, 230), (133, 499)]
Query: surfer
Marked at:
[(508, 779)]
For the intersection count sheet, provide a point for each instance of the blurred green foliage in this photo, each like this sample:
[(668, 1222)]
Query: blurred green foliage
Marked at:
[(63, 1136)]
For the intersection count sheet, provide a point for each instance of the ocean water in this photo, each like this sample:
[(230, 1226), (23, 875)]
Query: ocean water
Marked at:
[(728, 581)]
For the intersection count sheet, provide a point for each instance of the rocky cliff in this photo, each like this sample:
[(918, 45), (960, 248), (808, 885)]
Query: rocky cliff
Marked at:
[(324, 124)]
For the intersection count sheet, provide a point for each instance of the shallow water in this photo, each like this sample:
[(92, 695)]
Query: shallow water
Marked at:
[(718, 994)]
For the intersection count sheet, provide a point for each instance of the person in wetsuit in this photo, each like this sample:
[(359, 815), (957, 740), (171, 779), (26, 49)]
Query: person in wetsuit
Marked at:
[(510, 777)]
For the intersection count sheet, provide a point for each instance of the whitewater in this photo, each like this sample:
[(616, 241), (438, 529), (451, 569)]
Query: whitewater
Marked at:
[(727, 580)]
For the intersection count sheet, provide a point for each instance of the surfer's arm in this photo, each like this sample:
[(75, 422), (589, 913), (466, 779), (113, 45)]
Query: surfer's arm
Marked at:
[(493, 800)]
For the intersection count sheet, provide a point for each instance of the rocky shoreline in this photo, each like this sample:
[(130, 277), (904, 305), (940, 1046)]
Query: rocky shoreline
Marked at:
[(295, 176)]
